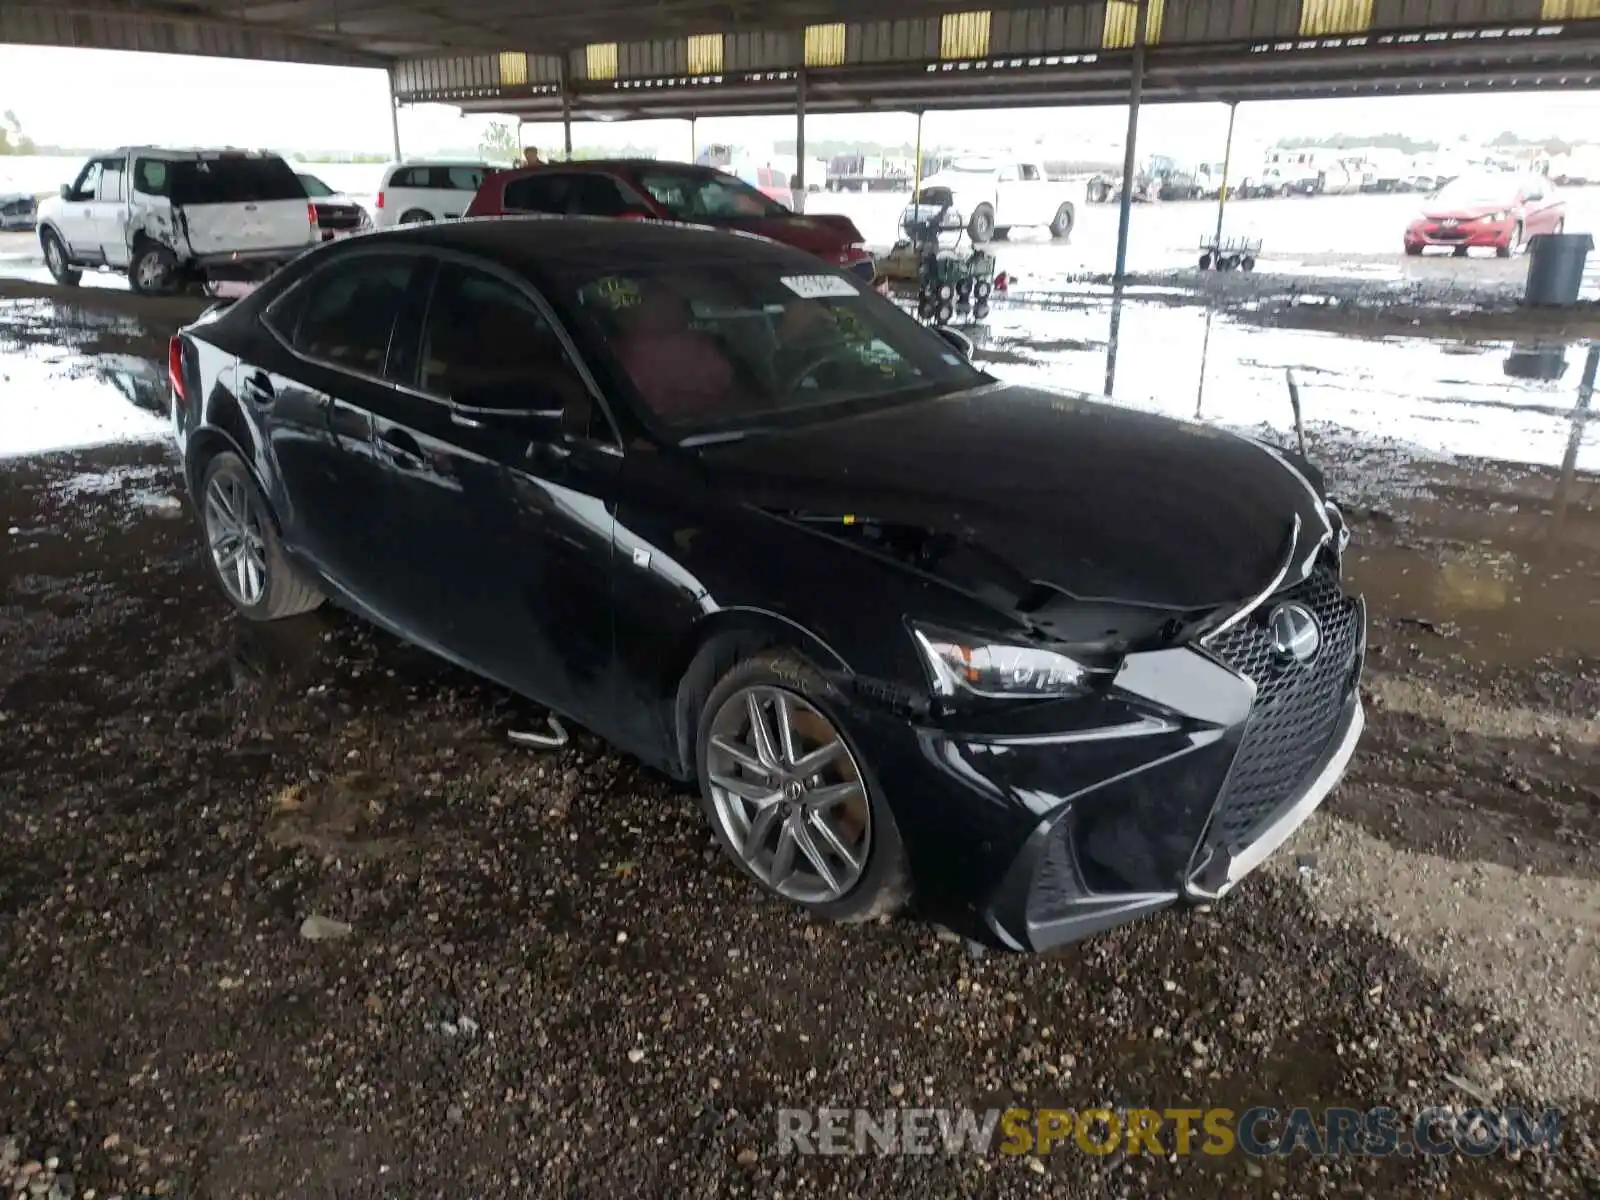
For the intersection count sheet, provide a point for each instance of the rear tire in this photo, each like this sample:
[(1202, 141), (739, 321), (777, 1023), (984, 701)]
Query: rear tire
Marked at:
[(1061, 227), (861, 822), (153, 270), (981, 227), (415, 216), (55, 259), (238, 522)]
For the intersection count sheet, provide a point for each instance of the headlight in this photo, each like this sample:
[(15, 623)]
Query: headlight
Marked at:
[(976, 666)]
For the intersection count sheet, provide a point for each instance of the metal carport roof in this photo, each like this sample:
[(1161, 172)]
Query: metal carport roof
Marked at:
[(647, 58)]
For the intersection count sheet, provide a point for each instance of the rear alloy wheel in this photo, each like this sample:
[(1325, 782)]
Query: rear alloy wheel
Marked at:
[(55, 258), (415, 216), (245, 552), (789, 797), (153, 270)]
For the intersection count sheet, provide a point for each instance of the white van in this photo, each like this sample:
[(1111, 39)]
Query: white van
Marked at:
[(412, 192), (168, 218)]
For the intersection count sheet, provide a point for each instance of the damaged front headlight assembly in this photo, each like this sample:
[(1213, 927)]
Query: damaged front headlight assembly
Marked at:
[(965, 664)]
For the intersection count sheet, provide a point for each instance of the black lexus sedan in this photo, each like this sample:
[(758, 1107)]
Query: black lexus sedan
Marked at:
[(1033, 663)]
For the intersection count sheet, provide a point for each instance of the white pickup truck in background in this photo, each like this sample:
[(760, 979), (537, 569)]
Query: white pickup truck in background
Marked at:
[(991, 197), (169, 218)]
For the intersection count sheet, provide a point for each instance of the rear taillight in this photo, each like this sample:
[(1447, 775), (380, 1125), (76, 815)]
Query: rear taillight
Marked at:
[(379, 204), (311, 213), (175, 368)]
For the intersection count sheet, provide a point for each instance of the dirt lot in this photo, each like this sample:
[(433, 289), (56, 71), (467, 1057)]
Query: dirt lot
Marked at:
[(551, 984)]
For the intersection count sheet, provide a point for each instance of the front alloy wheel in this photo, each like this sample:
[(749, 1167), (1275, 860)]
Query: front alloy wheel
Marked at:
[(788, 796)]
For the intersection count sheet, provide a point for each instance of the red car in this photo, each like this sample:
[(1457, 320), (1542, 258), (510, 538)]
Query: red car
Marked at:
[(1500, 211), (665, 191)]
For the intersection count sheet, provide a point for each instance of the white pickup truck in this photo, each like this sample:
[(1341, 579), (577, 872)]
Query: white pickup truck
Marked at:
[(990, 197), (168, 218)]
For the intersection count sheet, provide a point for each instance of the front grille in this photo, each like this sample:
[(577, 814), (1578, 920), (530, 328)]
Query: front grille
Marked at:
[(1297, 707)]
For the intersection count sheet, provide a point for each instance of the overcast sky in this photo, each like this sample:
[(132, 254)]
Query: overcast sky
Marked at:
[(107, 98)]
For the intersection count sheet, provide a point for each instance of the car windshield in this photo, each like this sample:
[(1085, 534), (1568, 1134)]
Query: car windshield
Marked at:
[(693, 195), (233, 180), (315, 187), (730, 346), (1477, 189)]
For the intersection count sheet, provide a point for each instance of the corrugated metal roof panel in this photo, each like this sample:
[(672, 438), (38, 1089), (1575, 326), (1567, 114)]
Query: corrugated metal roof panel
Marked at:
[(767, 51)]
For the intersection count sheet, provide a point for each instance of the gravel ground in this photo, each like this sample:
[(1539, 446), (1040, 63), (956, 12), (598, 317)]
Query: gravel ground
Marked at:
[(286, 915)]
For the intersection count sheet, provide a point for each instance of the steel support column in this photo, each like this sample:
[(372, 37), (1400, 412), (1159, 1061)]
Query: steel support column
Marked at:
[(1130, 152), (1227, 163), (916, 176), (797, 191), (566, 110), (394, 116), (694, 140)]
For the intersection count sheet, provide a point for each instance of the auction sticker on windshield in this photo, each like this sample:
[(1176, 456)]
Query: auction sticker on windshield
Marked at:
[(820, 287)]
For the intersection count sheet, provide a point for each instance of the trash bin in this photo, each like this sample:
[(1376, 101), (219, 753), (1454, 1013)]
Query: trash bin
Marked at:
[(1555, 267)]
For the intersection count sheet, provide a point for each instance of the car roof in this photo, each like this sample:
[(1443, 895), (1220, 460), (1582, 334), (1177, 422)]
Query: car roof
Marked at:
[(535, 242), (187, 152), (433, 162), (610, 164)]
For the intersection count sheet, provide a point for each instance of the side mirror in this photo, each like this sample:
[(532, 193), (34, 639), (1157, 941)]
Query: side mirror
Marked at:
[(959, 341), (66, 191)]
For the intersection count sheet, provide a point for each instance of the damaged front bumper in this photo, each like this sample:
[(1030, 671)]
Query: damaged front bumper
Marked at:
[(1082, 816)]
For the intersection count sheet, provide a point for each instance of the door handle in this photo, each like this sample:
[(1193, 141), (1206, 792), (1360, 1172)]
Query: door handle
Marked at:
[(401, 447), (548, 452), (258, 388)]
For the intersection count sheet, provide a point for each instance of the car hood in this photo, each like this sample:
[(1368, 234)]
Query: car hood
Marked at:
[(1057, 491), (1465, 212), (959, 181)]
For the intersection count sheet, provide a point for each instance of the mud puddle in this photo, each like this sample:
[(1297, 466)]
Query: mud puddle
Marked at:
[(73, 376)]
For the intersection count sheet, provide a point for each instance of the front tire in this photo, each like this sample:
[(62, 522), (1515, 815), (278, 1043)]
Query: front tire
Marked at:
[(244, 550), (789, 795), (55, 259), (1513, 245)]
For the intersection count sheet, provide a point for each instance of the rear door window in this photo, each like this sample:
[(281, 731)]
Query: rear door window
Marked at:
[(461, 179), (348, 311), (113, 174), (231, 180), (597, 195), (542, 193), (150, 176)]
